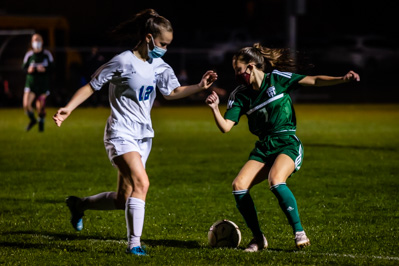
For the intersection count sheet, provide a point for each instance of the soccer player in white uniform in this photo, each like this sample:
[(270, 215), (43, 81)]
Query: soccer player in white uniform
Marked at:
[(133, 77)]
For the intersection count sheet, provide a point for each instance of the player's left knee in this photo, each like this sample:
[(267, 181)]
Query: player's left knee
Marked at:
[(276, 179)]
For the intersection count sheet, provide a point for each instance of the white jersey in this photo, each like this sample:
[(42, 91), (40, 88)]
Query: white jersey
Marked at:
[(132, 91)]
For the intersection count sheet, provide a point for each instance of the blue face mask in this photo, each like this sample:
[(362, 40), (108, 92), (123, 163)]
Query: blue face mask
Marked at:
[(157, 52)]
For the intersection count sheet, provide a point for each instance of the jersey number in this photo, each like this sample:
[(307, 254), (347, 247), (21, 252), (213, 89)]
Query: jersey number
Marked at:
[(145, 93)]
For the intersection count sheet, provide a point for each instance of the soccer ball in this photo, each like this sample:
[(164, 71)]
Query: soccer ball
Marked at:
[(224, 233)]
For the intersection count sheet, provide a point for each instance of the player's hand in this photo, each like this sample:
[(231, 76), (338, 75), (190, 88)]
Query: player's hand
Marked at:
[(61, 115), (212, 100), (31, 69), (207, 79), (352, 76), (40, 68)]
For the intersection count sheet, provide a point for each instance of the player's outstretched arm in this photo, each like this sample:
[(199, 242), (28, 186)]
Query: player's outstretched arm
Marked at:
[(224, 125), (322, 80), (79, 97), (183, 91)]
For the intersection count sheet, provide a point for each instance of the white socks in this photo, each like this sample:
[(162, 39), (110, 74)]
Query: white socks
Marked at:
[(134, 221), (134, 213)]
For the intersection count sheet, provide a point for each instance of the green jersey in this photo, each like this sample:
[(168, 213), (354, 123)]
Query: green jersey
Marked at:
[(269, 109), (38, 82)]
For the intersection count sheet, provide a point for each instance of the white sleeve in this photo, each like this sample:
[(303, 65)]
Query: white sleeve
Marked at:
[(50, 56), (167, 81), (105, 73)]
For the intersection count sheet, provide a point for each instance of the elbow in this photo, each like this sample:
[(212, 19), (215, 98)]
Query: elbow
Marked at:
[(168, 97), (224, 130), (171, 96)]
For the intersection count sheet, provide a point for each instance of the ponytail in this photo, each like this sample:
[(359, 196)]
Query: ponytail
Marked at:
[(266, 58), (147, 21)]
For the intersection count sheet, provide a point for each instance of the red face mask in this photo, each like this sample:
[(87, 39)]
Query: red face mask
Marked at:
[(243, 78)]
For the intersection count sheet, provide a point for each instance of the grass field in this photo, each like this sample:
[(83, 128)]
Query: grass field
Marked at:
[(347, 190)]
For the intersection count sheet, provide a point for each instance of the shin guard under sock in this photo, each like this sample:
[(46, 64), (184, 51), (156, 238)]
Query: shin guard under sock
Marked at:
[(135, 209), (247, 209), (288, 204)]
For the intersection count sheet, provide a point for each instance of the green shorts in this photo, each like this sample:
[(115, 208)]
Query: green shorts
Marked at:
[(267, 150), (38, 85)]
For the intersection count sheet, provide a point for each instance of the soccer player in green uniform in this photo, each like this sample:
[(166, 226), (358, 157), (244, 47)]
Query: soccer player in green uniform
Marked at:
[(263, 97), (37, 63)]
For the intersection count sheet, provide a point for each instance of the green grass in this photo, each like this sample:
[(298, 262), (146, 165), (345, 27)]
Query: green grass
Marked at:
[(347, 190)]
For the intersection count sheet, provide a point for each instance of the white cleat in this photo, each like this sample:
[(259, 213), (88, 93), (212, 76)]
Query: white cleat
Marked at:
[(301, 240), (257, 244)]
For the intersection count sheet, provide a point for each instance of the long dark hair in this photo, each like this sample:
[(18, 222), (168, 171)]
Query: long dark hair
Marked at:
[(135, 29), (269, 59)]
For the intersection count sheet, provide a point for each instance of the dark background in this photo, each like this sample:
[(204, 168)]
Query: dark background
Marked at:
[(207, 32)]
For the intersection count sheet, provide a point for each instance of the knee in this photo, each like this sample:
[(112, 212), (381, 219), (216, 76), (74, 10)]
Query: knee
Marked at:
[(120, 200), (140, 188), (238, 184), (275, 179), (143, 186)]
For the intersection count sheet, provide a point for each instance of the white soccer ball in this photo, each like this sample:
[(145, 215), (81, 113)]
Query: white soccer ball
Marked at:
[(224, 233)]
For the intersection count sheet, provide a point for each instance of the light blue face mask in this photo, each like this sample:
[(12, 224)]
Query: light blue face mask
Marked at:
[(157, 52)]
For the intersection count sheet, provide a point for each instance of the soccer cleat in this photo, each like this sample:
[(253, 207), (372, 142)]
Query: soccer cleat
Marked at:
[(137, 251), (257, 244), (301, 240), (76, 215), (31, 124)]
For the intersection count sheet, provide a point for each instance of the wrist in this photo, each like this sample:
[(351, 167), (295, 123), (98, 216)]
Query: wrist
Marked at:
[(215, 107)]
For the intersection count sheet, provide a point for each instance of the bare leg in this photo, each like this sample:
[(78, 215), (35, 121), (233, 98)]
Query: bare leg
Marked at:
[(27, 104), (40, 107), (132, 191)]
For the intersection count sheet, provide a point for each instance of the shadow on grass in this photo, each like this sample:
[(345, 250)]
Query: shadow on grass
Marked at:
[(50, 246), (271, 250), (65, 237), (61, 237), (53, 241), (172, 243), (10, 199)]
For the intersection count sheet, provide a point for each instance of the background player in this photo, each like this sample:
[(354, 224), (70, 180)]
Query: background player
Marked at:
[(133, 76), (37, 63), (264, 98)]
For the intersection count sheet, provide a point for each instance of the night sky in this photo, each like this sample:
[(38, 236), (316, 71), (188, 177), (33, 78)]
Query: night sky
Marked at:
[(202, 24), (90, 20)]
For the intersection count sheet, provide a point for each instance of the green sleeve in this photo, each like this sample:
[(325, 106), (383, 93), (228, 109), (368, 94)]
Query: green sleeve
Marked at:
[(236, 109), (290, 81), (233, 114)]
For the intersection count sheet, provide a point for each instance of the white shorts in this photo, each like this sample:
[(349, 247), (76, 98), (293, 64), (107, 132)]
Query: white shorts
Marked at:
[(118, 146)]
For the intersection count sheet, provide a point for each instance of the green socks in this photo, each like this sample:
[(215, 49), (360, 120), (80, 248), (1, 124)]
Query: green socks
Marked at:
[(288, 204), (247, 209)]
